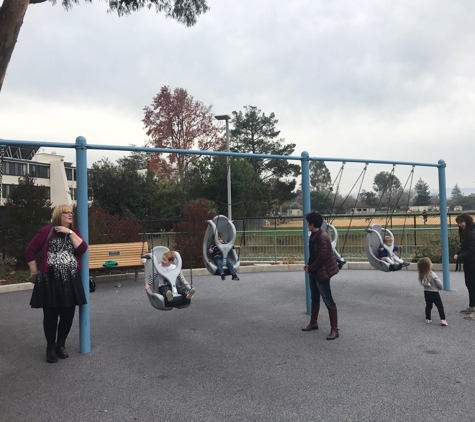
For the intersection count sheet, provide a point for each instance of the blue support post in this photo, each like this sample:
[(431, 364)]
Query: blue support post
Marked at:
[(444, 231), (82, 211), (306, 209)]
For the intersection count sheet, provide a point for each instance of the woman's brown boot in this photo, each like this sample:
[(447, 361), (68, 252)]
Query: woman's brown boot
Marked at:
[(313, 325), (333, 314)]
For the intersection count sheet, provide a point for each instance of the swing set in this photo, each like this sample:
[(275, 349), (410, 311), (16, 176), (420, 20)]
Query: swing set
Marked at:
[(375, 232), (81, 146)]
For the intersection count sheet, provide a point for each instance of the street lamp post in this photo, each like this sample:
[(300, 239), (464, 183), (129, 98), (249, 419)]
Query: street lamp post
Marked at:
[(228, 162)]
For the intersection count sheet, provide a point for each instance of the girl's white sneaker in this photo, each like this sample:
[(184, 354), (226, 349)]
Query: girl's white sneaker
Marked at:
[(443, 322)]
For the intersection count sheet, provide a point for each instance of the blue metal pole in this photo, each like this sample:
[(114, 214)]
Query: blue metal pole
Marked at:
[(82, 211), (306, 209), (444, 231)]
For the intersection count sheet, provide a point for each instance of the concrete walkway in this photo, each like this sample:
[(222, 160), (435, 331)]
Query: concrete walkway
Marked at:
[(238, 354)]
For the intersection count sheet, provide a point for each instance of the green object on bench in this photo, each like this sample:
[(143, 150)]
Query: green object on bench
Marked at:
[(110, 264)]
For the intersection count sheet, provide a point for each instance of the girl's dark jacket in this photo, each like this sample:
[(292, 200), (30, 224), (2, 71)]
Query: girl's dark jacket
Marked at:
[(467, 248), (324, 263)]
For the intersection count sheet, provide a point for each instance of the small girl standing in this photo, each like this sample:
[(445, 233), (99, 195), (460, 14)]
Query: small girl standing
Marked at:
[(432, 284)]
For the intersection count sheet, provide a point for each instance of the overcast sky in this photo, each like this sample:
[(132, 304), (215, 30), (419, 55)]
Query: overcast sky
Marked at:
[(377, 79)]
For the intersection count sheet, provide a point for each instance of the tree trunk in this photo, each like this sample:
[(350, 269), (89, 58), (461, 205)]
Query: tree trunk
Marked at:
[(11, 20)]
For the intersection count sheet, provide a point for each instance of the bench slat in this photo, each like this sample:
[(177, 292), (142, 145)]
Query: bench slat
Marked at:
[(130, 254)]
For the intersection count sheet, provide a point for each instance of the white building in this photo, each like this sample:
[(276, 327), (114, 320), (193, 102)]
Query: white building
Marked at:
[(48, 169), (363, 210)]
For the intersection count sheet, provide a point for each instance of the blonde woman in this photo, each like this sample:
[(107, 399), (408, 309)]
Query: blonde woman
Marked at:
[(58, 287)]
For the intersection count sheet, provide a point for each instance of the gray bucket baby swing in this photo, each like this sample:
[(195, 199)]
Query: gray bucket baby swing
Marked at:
[(220, 224), (153, 270)]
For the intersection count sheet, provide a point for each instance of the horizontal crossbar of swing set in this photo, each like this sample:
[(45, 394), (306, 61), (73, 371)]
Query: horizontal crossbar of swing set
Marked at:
[(303, 156), (81, 148)]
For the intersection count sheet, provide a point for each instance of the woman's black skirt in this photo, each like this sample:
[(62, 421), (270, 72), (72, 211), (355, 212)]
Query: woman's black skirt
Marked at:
[(58, 288)]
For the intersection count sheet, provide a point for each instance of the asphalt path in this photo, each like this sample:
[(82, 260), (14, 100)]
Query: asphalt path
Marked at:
[(238, 354)]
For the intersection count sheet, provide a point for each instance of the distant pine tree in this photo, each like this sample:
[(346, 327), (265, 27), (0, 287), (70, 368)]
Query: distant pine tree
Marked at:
[(423, 194), (456, 192)]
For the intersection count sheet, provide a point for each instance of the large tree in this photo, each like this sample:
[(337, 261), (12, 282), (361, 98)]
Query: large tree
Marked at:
[(175, 120), (250, 196), (128, 189), (370, 199), (320, 177), (12, 13), (423, 194), (467, 202), (321, 202), (384, 182), (118, 189), (387, 187), (256, 133)]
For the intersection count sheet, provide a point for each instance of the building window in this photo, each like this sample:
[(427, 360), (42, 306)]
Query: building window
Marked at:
[(14, 169), (39, 171), (73, 193), (7, 190), (70, 174)]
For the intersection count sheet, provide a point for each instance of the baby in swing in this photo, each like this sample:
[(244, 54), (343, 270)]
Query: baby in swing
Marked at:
[(390, 258), (165, 289), (218, 259)]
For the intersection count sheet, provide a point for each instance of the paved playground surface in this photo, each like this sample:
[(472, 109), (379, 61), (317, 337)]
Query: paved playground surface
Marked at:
[(238, 354)]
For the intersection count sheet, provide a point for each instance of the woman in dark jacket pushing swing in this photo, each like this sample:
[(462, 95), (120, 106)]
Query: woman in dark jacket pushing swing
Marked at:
[(321, 267), (466, 255)]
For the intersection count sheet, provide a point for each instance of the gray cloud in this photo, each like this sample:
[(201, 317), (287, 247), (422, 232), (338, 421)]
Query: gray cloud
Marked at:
[(379, 79)]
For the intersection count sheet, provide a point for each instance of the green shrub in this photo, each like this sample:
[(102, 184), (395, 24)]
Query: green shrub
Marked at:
[(26, 211), (432, 249)]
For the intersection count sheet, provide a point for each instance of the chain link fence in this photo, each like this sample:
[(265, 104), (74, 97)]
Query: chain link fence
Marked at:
[(280, 239)]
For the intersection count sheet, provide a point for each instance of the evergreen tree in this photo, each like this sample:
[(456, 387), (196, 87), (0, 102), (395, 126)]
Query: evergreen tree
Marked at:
[(456, 192), (423, 194), (250, 196), (256, 133), (26, 210)]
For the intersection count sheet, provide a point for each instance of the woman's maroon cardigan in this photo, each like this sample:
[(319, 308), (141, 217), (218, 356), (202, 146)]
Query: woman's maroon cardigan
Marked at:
[(39, 240)]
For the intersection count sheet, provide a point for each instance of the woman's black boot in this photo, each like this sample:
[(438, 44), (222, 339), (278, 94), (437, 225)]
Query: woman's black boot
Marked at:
[(51, 356), (61, 351)]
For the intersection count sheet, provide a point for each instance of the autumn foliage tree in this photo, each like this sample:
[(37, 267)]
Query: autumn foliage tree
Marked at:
[(176, 120), (12, 13)]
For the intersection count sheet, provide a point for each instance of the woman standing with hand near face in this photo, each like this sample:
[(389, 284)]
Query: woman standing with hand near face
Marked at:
[(58, 287), (466, 255)]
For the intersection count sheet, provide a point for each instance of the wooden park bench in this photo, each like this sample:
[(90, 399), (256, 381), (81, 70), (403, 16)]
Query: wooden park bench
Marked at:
[(127, 255)]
